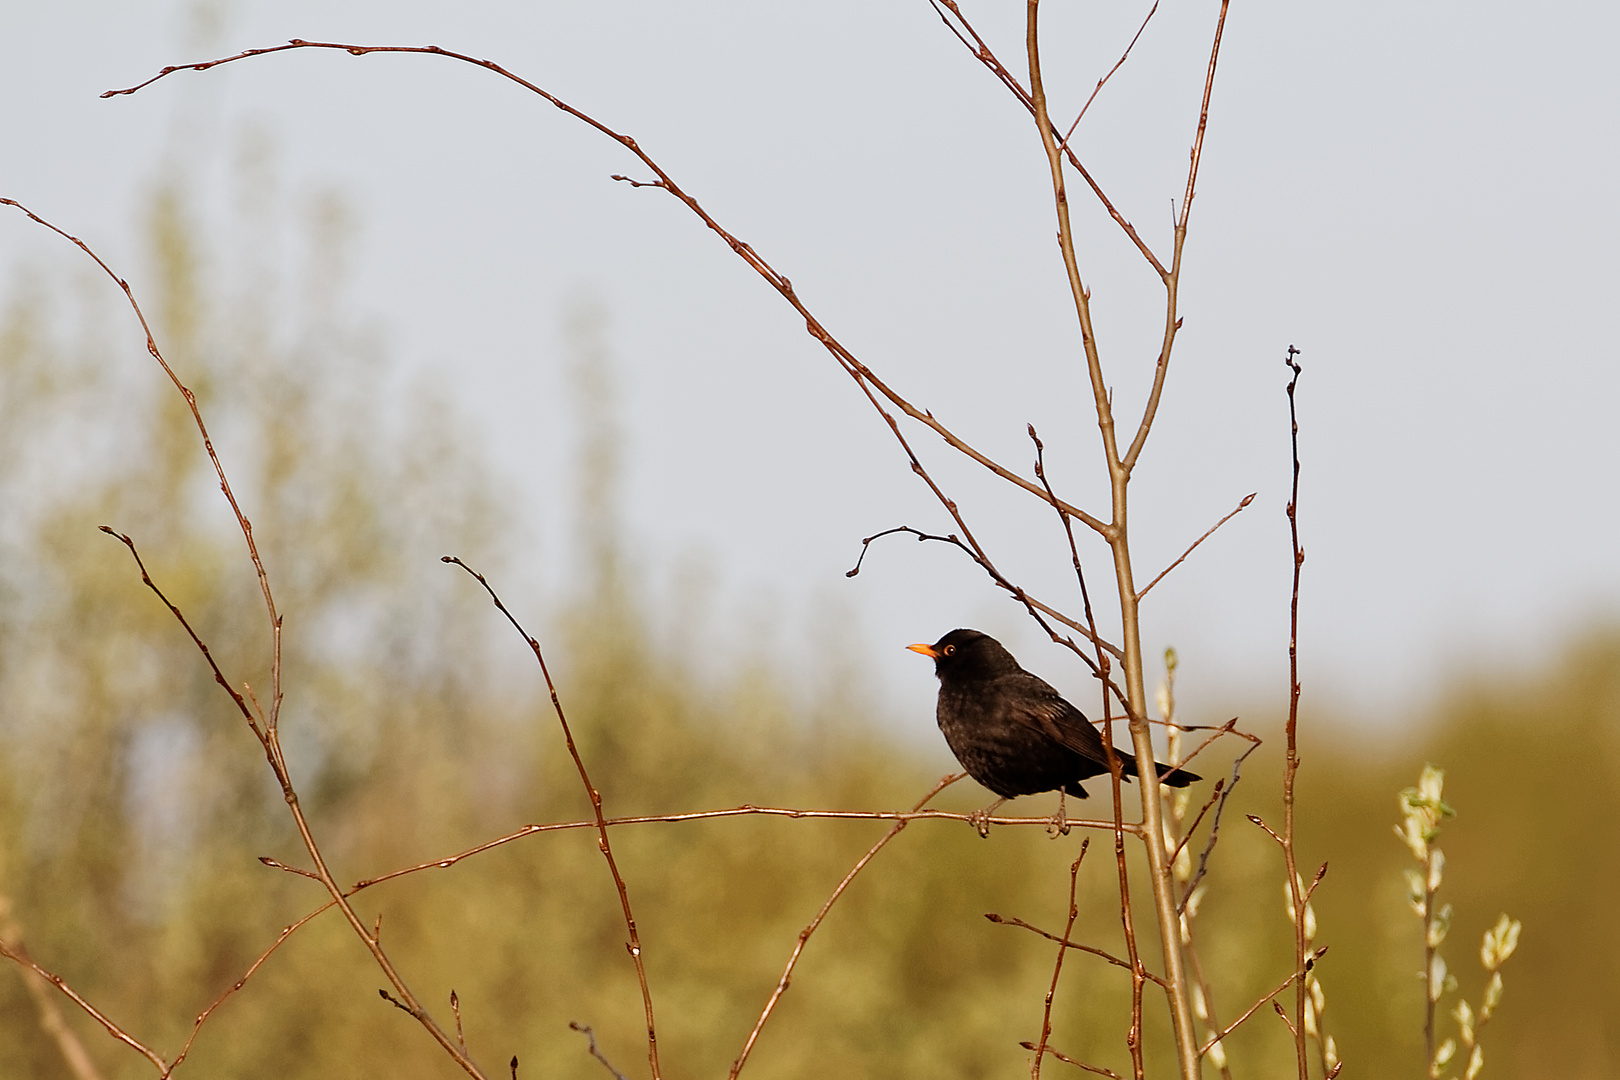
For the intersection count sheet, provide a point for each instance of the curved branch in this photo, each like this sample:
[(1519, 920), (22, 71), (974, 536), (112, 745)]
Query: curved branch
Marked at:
[(846, 359), (804, 935), (1173, 278), (1247, 499), (982, 53), (595, 797), (268, 735)]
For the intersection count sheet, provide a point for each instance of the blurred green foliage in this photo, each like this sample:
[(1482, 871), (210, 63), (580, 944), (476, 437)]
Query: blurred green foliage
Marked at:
[(133, 802)]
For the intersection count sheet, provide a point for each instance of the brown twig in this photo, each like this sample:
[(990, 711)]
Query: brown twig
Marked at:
[(202, 1017), (737, 811), (20, 956), (1252, 1009), (863, 376), (596, 1052), (1187, 907), (1115, 788), (1067, 1060), (982, 52), (219, 676), (51, 1021), (267, 733), (804, 935), (1247, 499), (1098, 666), (1018, 593), (1154, 10), (1215, 824), (1066, 942), (1172, 278), (242, 522), (1291, 761), (1214, 796), (634, 945)]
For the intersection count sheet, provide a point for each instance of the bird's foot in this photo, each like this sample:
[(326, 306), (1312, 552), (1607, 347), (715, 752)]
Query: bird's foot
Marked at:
[(1059, 825), (980, 819)]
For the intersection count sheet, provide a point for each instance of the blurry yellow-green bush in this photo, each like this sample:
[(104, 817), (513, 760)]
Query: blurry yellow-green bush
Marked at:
[(133, 802)]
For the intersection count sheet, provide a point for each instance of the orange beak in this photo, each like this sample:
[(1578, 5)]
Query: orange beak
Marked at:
[(926, 650)]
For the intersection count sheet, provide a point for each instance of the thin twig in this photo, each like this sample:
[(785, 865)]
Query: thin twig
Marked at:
[(1214, 796), (1090, 629), (1115, 790), (219, 676), (738, 811), (20, 956), (202, 1017), (1291, 761), (268, 732), (242, 522), (51, 1021), (982, 52), (1103, 954), (1250, 1011), (804, 935), (1269, 831), (1172, 322), (1115, 773), (1154, 10), (858, 371), (300, 871), (1067, 1060), (634, 945), (1018, 593), (590, 1040), (1215, 824), (1247, 499)]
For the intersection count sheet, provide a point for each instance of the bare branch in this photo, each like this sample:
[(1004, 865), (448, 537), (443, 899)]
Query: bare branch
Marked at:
[(804, 935), (858, 371), (1154, 10), (1017, 591), (1172, 279), (1250, 1011), (19, 955), (1291, 758), (219, 676), (985, 56), (1067, 1060), (267, 734), (51, 1021), (634, 945), (1247, 499), (590, 1039), (1215, 824)]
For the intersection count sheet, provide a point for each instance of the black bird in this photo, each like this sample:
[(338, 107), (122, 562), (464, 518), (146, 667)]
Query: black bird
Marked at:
[(1010, 730)]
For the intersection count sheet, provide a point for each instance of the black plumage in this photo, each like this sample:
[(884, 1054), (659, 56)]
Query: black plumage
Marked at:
[(1010, 730)]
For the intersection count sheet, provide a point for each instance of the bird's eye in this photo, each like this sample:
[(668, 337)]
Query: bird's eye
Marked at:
[(947, 650)]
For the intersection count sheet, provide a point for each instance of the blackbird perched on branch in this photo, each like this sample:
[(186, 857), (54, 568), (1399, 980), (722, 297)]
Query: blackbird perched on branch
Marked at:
[(1010, 730)]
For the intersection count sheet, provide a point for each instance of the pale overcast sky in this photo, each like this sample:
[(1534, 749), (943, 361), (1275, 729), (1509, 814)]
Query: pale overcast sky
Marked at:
[(1416, 194)]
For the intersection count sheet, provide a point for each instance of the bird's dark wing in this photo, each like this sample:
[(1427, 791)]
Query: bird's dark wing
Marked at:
[(1035, 703)]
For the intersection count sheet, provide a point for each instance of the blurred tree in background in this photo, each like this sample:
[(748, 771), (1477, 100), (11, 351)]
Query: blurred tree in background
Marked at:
[(133, 804)]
